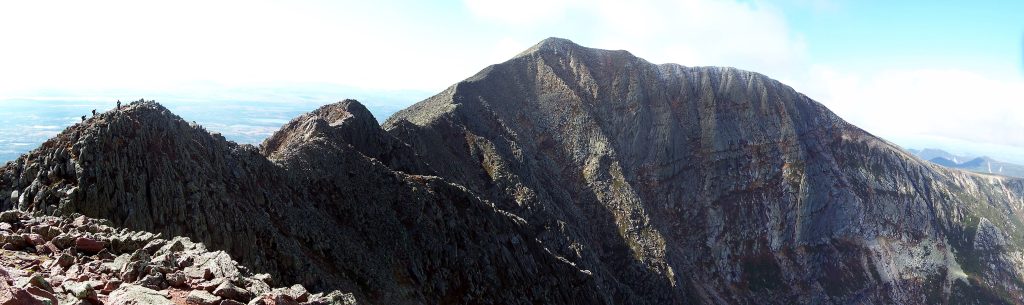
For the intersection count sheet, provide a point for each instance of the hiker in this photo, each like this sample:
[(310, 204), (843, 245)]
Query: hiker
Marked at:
[(94, 112), (83, 119), (118, 104)]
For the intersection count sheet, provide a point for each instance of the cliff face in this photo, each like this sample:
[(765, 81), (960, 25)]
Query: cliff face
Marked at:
[(715, 185), (321, 213), (566, 175)]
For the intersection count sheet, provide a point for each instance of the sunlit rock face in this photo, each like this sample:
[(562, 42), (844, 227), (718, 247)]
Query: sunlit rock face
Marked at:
[(678, 184)]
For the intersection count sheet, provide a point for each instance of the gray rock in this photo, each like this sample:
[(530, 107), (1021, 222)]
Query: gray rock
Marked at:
[(34, 280), (80, 290), (201, 297), (152, 281), (335, 298), (297, 292), (176, 279), (10, 216), (228, 290), (129, 294)]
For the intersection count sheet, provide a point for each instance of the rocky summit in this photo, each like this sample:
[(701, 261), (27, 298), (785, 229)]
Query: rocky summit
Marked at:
[(565, 175)]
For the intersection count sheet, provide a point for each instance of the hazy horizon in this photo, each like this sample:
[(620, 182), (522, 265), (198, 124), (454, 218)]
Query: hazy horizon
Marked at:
[(25, 124), (28, 123)]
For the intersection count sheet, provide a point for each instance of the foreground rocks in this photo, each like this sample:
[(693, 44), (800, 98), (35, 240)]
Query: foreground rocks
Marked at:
[(50, 260)]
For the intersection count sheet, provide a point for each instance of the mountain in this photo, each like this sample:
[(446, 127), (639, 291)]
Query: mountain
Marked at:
[(565, 175), (678, 184), (932, 153), (979, 164), (991, 166), (944, 162)]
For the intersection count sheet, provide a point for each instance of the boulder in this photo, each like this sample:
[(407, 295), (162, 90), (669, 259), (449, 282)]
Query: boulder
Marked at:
[(228, 290), (129, 294), (89, 245), (201, 297)]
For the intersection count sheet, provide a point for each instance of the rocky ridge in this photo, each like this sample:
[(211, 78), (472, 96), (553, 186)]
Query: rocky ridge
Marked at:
[(317, 212)]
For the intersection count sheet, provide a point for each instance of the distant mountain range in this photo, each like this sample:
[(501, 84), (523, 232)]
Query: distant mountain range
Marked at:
[(981, 164)]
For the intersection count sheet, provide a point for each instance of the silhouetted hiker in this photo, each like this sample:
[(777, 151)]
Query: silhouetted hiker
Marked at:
[(83, 119), (118, 104), (94, 112)]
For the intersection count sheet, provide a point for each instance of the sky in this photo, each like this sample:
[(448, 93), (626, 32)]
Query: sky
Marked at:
[(944, 74)]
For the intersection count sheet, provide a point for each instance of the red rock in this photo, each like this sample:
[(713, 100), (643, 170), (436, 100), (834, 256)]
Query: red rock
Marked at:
[(41, 293), (111, 285), (35, 239), (4, 277), (85, 276), (51, 247), (17, 296), (89, 245), (65, 260)]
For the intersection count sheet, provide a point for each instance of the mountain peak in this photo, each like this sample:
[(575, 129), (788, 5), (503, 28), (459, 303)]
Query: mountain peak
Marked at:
[(337, 113), (552, 44), (335, 129), (556, 42)]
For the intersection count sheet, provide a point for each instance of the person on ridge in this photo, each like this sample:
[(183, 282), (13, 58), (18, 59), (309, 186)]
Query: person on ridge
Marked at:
[(118, 104), (83, 119)]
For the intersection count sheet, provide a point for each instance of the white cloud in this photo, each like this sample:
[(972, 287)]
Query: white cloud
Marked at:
[(151, 45), (751, 36), (520, 12), (919, 106)]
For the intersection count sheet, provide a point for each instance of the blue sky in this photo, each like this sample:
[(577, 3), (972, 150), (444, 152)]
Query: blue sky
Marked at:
[(920, 73), (981, 35)]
